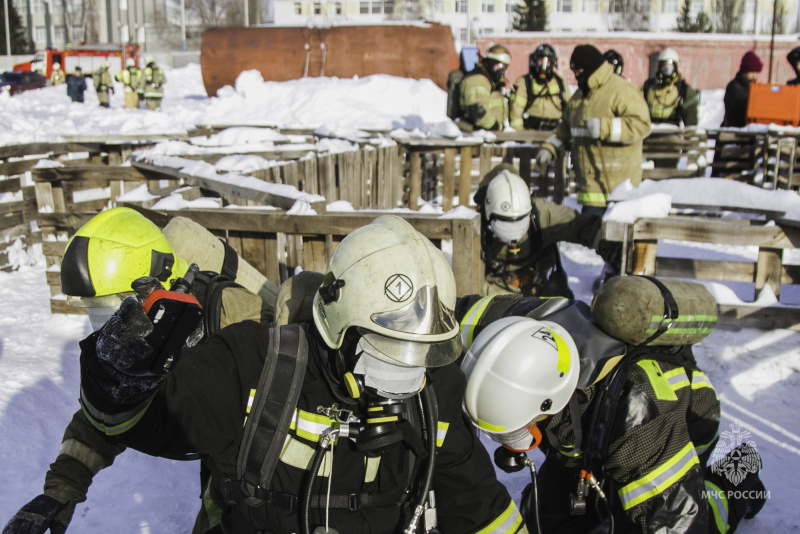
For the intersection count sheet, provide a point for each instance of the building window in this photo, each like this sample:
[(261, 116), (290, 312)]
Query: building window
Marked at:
[(669, 6), (40, 35), (56, 8), (76, 6), (76, 33), (317, 8), (38, 6), (338, 8), (58, 34), (697, 6), (615, 6), (435, 6), (462, 35), (487, 6), (298, 8), (590, 6), (564, 6), (511, 7), (388, 7), (363, 8), (462, 6)]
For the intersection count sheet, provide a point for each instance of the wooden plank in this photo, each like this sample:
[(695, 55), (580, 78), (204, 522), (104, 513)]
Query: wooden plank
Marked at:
[(719, 231), (254, 251), (486, 163), (10, 185), (54, 248), (14, 230), (726, 271), (643, 260), (100, 174), (10, 168), (327, 177), (382, 186), (769, 270), (467, 267), (11, 220), (59, 305), (315, 257), (465, 176), (448, 178), (768, 318), (415, 180), (30, 149)]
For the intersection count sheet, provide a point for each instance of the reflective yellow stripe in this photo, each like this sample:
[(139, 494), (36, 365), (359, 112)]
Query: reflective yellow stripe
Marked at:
[(718, 503), (470, 320), (700, 380), (507, 522), (659, 479), (84, 454), (598, 199), (677, 378), (310, 426), (564, 361), (661, 386), (300, 455), (373, 463), (490, 427), (685, 324), (114, 430), (250, 400), (441, 432)]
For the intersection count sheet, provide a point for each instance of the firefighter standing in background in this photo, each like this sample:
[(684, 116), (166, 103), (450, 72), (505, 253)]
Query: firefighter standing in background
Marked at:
[(541, 95), (103, 84), (129, 77), (615, 58), (483, 101), (671, 100), (151, 84), (793, 58), (57, 77)]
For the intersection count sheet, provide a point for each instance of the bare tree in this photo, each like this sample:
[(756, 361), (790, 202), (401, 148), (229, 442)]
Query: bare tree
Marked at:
[(629, 15), (728, 16), (781, 15), (90, 22)]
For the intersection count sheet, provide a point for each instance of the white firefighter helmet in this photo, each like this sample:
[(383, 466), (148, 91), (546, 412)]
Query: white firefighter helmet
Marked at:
[(149, 59), (130, 62), (669, 54), (397, 288), (508, 197), (56, 65), (518, 370), (500, 54)]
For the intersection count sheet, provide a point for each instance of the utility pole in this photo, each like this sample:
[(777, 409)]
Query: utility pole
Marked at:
[(772, 39), (8, 33), (183, 24), (246, 15)]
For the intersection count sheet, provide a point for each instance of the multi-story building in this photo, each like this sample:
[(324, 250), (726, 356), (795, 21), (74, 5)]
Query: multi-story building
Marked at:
[(470, 19)]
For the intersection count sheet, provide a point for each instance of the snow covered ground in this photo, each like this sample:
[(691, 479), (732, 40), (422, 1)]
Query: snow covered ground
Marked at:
[(756, 373)]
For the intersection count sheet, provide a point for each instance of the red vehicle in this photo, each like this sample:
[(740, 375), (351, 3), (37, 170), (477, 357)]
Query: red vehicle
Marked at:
[(87, 57)]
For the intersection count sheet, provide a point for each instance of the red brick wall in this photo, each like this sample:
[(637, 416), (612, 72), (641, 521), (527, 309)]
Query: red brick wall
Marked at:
[(707, 61)]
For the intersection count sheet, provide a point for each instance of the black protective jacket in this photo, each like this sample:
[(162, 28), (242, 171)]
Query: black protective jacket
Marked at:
[(201, 407), (647, 429), (737, 94)]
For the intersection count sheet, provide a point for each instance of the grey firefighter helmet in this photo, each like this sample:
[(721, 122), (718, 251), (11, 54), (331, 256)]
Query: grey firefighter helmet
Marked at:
[(393, 285)]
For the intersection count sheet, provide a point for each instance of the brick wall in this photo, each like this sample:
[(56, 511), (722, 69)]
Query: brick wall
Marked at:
[(708, 61)]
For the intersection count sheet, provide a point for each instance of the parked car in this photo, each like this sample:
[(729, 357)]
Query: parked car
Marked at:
[(14, 82)]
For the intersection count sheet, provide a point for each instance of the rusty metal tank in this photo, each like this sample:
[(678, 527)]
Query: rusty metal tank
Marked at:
[(422, 50)]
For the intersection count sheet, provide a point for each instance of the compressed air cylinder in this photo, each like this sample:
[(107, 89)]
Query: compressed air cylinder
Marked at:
[(195, 244), (631, 308)]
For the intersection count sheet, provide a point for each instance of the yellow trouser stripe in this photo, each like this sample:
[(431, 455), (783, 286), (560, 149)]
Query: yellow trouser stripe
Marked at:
[(659, 479), (507, 522), (592, 198)]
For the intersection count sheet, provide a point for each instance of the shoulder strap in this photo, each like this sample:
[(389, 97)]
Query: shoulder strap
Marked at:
[(562, 91), (529, 89), (273, 407)]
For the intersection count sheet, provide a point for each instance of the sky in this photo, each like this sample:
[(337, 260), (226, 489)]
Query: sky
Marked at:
[(756, 372)]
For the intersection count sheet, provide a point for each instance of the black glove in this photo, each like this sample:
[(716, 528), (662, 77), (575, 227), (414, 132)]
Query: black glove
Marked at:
[(42, 513), (121, 375), (476, 112)]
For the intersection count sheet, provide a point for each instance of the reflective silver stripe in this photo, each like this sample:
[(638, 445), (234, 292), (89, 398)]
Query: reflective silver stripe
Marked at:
[(372, 464), (580, 132), (660, 478), (84, 454), (507, 523), (718, 503), (310, 426), (470, 321), (677, 378), (555, 141), (441, 432), (616, 130), (700, 380)]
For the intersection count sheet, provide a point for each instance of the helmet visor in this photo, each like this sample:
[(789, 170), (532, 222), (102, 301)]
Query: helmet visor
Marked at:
[(426, 315), (667, 68), (412, 353), (106, 301)]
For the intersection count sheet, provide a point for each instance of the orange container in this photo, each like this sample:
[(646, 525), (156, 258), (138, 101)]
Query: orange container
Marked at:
[(774, 104)]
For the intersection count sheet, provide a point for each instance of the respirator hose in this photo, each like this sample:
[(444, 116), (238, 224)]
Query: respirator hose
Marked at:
[(430, 423), (319, 455)]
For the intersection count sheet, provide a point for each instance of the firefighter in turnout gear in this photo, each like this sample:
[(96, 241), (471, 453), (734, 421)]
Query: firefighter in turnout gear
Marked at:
[(541, 95), (129, 77), (671, 100), (103, 84), (793, 58), (368, 386), (603, 125), (57, 77), (482, 92), (627, 428), (616, 60), (520, 235), (151, 85)]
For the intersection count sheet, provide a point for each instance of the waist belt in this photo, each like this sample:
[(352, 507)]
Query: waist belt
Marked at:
[(534, 123), (353, 501)]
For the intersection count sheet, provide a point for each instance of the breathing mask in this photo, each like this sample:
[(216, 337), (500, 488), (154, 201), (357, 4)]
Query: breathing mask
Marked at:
[(509, 231), (667, 71), (387, 379)]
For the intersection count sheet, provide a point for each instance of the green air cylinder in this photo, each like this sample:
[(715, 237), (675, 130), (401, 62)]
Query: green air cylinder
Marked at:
[(631, 308)]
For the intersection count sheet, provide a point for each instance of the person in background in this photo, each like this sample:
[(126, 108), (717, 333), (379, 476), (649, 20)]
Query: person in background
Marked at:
[(57, 77), (541, 95), (737, 92), (603, 126), (129, 77), (671, 100), (793, 58), (482, 99), (76, 85), (151, 84), (103, 84), (615, 58)]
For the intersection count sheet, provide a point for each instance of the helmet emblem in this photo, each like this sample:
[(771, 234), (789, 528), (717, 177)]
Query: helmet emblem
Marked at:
[(505, 206), (398, 288)]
